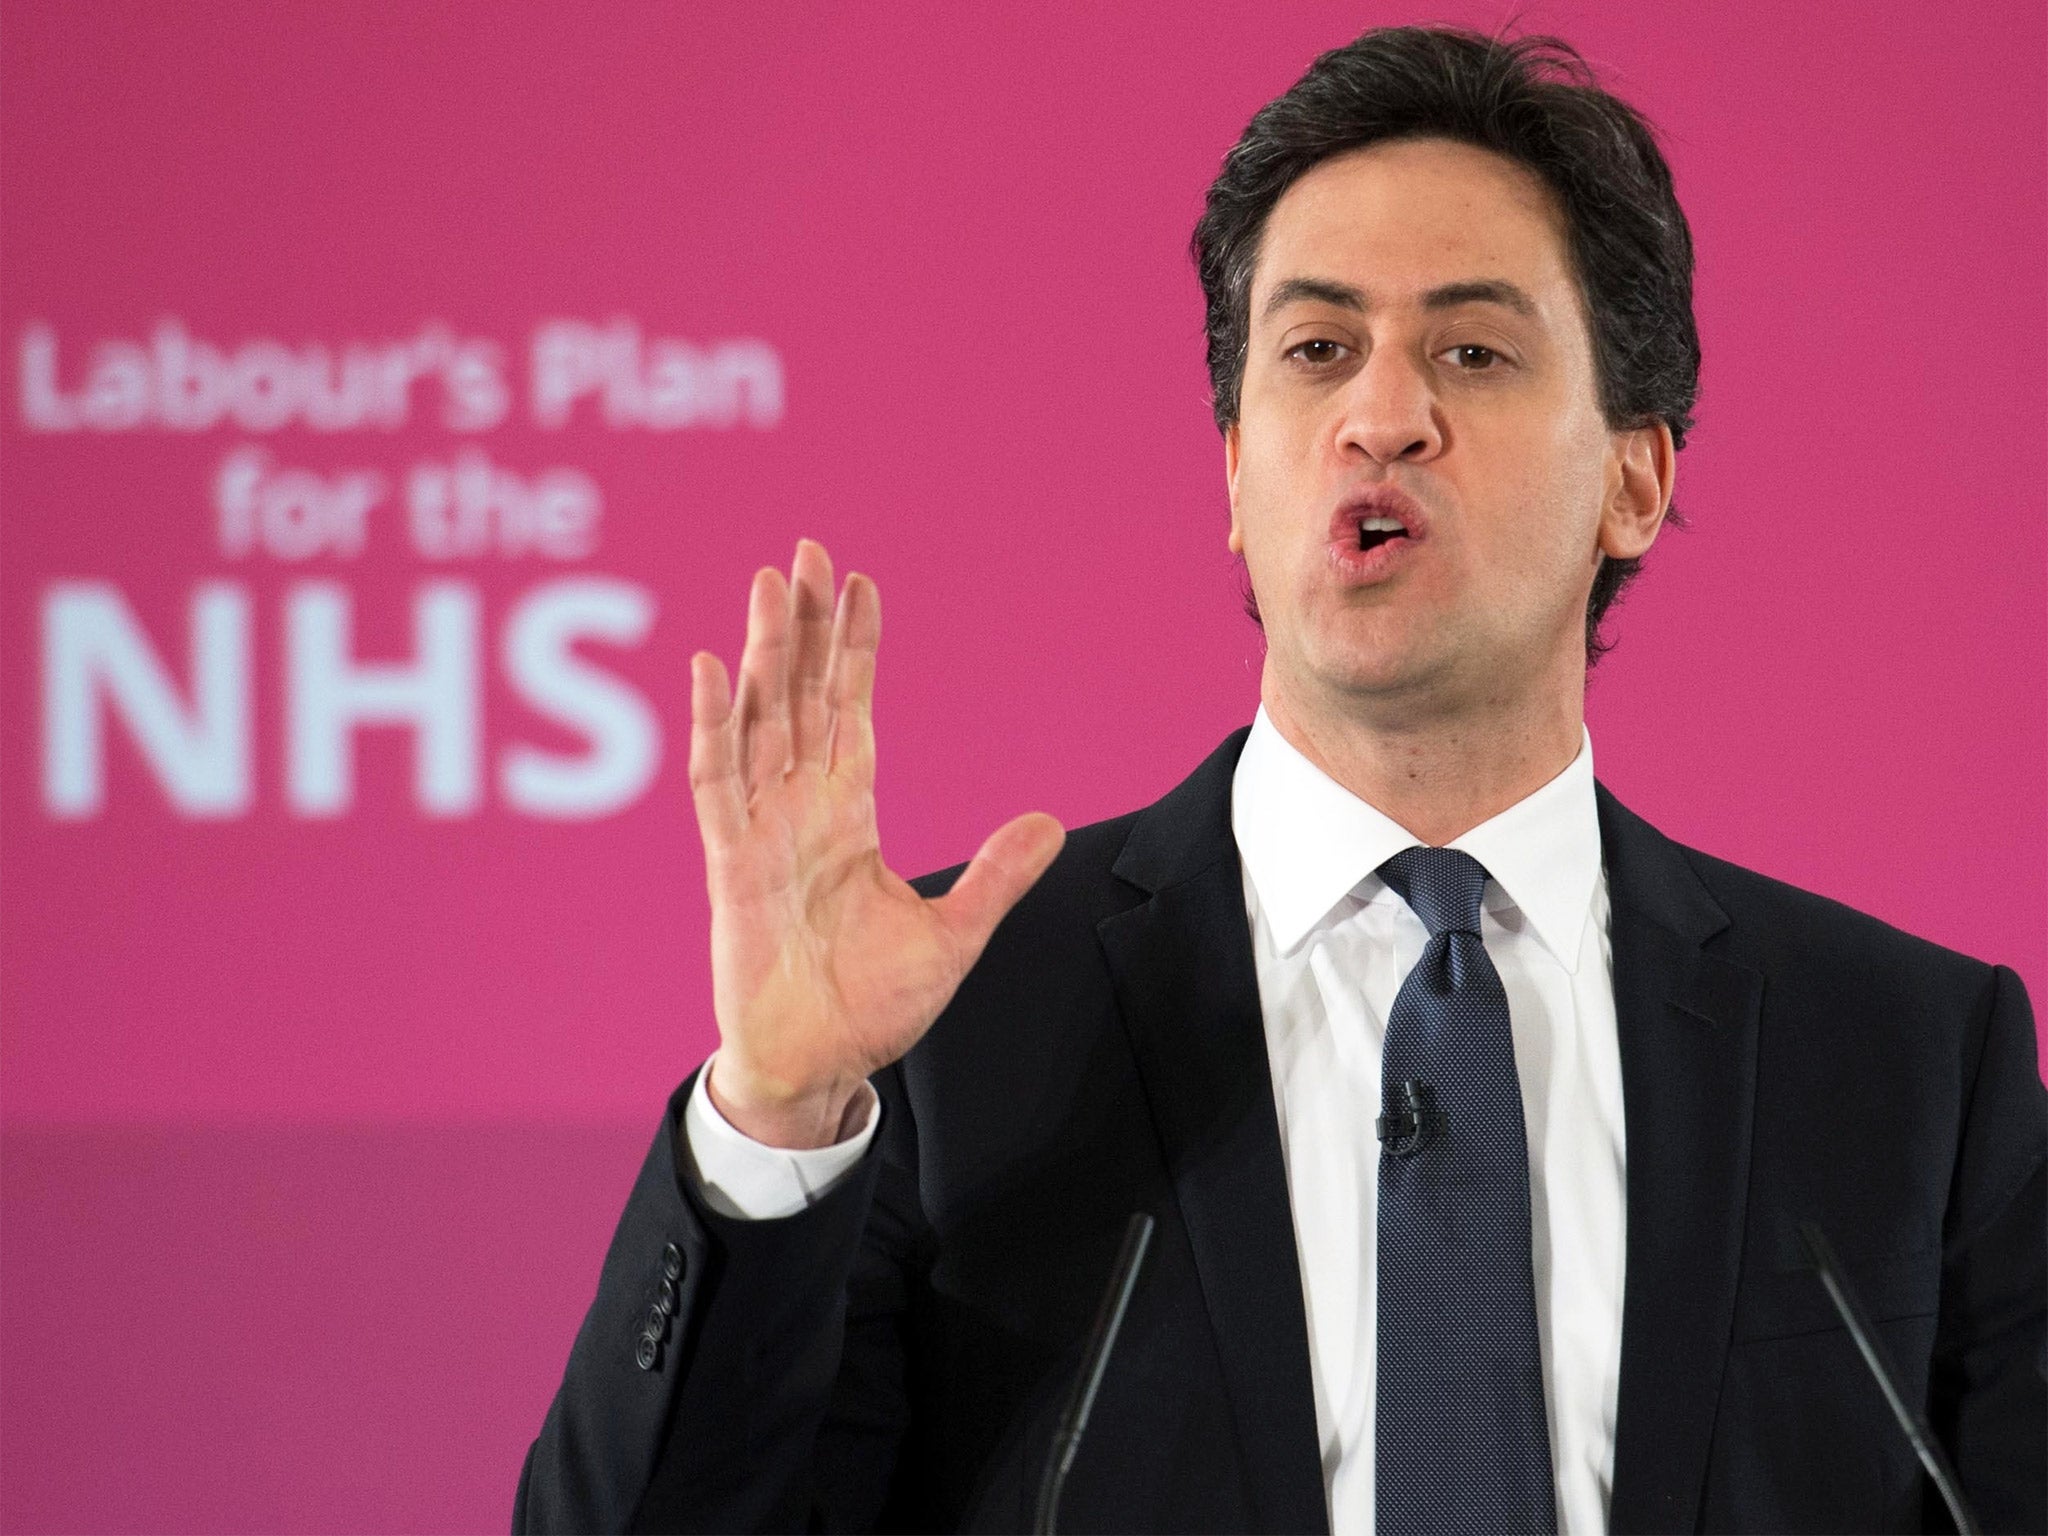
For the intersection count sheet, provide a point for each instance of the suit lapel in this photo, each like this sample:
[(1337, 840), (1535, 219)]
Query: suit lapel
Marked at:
[(1185, 984), (1688, 1029)]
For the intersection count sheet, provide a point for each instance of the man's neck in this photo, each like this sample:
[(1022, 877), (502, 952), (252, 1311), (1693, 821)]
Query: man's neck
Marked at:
[(1442, 776)]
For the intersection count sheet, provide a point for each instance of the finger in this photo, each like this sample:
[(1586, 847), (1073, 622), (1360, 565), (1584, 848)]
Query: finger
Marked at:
[(850, 680), (763, 703), (1008, 864), (716, 787), (810, 588)]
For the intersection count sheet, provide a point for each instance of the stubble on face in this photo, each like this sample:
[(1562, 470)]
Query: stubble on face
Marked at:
[(1415, 323)]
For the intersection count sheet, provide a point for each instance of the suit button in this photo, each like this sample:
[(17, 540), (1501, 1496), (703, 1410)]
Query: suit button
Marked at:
[(656, 1326), (648, 1354), (665, 1298), (672, 1262)]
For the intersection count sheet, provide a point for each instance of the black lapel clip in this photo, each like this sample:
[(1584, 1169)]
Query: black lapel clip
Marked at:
[(1409, 1126)]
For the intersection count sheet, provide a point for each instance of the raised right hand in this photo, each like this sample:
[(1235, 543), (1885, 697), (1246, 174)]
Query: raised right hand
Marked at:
[(825, 965)]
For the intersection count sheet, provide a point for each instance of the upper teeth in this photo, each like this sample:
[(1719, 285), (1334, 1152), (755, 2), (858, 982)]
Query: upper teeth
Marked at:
[(1381, 525)]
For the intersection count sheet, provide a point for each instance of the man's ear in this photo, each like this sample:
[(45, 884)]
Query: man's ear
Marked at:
[(1641, 470), (1230, 480)]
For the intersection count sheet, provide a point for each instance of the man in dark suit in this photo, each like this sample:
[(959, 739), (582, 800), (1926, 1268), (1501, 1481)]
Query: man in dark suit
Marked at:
[(1478, 1118)]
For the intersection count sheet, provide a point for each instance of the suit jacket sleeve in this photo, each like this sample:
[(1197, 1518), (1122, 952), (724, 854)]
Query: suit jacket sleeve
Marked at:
[(1988, 1382), (775, 1400)]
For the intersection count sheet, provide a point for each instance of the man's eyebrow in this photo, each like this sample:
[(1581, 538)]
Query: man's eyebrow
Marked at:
[(1481, 291), (1313, 290), (1320, 290)]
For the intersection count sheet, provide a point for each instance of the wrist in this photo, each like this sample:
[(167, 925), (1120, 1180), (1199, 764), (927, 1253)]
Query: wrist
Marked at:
[(778, 1115)]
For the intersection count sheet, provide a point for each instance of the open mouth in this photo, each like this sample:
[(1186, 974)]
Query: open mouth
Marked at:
[(1375, 531), (1372, 530)]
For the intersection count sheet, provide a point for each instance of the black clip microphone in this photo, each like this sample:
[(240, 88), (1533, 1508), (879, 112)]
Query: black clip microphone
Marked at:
[(1858, 1323), (1108, 1319), (1410, 1126)]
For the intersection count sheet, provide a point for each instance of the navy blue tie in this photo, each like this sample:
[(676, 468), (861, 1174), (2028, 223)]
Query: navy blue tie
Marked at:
[(1461, 1442)]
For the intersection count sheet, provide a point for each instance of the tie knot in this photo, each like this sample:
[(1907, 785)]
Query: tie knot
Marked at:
[(1442, 886)]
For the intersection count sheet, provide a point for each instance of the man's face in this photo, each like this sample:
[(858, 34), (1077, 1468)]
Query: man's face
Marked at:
[(1418, 350)]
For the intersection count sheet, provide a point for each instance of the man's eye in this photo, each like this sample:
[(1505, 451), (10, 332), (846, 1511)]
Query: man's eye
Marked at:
[(1473, 358), (1316, 351)]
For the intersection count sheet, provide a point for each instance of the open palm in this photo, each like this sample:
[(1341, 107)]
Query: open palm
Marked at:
[(825, 965)]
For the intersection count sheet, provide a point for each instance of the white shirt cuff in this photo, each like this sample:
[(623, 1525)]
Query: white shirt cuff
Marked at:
[(741, 1177)]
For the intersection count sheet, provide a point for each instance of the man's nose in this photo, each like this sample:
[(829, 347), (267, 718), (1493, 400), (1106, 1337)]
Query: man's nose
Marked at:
[(1390, 410)]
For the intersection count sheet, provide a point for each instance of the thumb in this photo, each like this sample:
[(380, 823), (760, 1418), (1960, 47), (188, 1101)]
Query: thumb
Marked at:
[(1007, 866)]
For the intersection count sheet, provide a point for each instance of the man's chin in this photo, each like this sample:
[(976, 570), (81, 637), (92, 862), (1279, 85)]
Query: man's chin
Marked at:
[(1383, 679), (1382, 661)]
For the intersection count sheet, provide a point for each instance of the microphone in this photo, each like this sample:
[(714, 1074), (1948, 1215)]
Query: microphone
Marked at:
[(1858, 1322), (1109, 1317), (1410, 1126)]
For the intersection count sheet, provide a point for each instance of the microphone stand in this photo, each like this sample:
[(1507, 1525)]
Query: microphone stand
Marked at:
[(1109, 1317), (1858, 1321)]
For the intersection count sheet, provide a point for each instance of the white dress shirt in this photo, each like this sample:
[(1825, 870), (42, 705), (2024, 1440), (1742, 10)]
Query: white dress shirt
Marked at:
[(1331, 943)]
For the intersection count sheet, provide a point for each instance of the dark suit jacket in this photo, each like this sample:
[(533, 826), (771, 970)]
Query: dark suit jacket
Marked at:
[(896, 1356)]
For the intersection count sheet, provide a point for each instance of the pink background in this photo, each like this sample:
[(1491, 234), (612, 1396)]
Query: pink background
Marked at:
[(315, 1129)]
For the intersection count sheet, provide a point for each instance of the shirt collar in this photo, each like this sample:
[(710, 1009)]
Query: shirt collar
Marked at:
[(1307, 842)]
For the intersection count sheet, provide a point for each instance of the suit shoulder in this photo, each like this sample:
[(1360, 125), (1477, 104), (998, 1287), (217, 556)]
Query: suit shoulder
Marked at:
[(1788, 923), (1080, 877), (1039, 994)]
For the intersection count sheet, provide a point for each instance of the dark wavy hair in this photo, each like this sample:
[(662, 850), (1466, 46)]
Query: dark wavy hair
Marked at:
[(1535, 101)]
